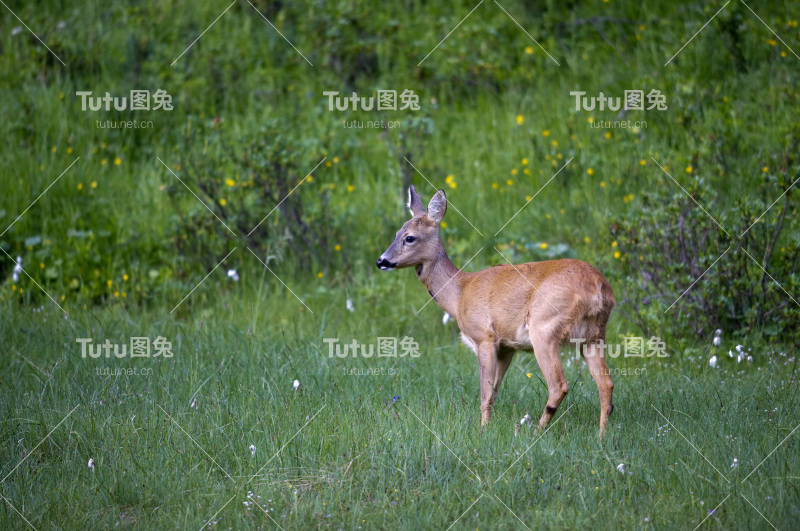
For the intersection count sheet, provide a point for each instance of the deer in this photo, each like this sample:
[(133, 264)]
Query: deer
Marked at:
[(535, 306)]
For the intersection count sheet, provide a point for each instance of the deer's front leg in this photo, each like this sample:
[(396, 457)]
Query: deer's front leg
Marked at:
[(487, 359)]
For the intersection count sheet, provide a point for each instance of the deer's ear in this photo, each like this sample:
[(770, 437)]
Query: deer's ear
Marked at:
[(437, 207), (414, 202)]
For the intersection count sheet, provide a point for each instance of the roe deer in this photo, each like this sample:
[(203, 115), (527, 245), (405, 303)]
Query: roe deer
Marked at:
[(533, 306)]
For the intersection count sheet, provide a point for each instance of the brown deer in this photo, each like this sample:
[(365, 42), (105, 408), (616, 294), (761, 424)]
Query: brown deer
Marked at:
[(533, 306)]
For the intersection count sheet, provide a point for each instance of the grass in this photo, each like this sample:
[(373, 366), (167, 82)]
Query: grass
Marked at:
[(340, 453), (350, 449)]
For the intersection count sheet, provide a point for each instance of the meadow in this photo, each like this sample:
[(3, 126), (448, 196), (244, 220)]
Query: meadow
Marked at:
[(242, 228)]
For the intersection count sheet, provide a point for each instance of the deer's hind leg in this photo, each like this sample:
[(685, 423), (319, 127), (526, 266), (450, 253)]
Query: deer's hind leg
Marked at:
[(595, 359), (545, 348)]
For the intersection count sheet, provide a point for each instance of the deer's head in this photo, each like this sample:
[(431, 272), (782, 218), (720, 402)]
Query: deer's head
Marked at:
[(417, 241)]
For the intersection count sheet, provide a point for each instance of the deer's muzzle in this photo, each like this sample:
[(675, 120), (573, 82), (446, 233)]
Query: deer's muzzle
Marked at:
[(384, 264)]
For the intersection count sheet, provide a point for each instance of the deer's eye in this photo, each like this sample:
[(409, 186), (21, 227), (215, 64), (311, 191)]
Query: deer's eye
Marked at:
[(410, 239)]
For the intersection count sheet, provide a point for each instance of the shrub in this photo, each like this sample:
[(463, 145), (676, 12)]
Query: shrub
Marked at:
[(262, 174), (670, 243)]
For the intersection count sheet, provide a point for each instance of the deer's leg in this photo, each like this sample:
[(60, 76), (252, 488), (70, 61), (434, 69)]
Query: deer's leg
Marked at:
[(487, 359), (546, 352), (504, 357), (595, 359)]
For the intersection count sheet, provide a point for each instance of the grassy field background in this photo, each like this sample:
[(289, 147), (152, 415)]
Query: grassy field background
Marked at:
[(116, 242)]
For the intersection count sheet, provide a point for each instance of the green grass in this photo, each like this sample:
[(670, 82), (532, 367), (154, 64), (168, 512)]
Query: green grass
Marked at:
[(340, 453), (114, 250)]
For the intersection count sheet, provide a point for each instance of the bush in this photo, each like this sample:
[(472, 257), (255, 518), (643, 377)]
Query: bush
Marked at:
[(242, 186), (670, 243)]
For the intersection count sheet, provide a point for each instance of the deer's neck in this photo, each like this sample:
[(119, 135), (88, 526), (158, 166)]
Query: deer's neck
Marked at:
[(443, 281)]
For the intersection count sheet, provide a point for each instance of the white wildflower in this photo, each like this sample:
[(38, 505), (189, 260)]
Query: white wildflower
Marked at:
[(296, 384), (739, 348), (233, 275), (750, 358), (16, 31), (350, 307), (91, 464), (730, 354), (252, 450), (446, 318), (716, 341), (525, 419), (713, 362), (194, 404), (735, 462), (621, 468), (17, 270)]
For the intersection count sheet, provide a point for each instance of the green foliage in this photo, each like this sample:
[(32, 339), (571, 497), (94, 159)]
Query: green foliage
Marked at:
[(256, 188), (249, 108), (686, 270)]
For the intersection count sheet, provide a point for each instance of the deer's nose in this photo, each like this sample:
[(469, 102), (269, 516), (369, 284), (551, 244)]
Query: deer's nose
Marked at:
[(385, 265)]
